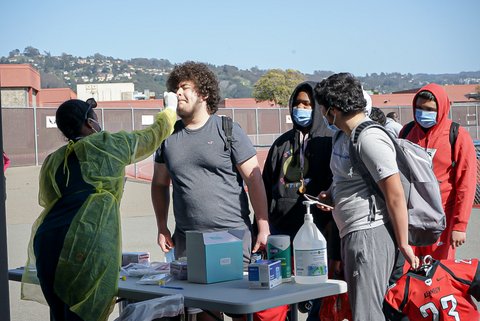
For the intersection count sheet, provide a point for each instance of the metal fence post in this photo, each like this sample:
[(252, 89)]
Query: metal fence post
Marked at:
[(35, 134), (4, 291), (256, 126), (133, 128)]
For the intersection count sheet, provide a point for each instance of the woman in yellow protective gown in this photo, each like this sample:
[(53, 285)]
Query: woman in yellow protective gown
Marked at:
[(75, 248)]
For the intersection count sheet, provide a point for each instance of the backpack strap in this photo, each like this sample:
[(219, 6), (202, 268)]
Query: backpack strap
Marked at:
[(178, 125), (357, 162), (361, 127), (227, 126), (454, 127), (406, 129)]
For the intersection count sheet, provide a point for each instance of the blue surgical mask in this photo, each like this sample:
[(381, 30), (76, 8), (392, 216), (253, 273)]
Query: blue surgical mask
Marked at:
[(332, 127), (426, 119), (302, 117)]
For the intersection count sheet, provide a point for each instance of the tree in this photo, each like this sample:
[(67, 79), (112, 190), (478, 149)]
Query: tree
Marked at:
[(277, 85), (14, 53), (475, 95), (50, 80), (31, 51)]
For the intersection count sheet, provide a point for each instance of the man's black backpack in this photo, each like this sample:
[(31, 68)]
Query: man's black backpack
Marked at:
[(227, 126), (426, 217)]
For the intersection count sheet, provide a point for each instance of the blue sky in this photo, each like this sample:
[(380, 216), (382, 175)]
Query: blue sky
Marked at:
[(408, 36)]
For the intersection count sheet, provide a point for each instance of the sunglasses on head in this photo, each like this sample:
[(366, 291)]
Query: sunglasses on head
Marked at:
[(91, 104)]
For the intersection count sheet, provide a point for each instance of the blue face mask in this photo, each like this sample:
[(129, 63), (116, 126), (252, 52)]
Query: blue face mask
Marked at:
[(302, 117), (332, 127), (426, 119)]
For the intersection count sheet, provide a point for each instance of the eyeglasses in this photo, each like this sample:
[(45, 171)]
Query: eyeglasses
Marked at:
[(326, 113), (91, 104)]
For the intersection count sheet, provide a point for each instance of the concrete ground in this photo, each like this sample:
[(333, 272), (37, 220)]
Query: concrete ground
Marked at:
[(138, 229)]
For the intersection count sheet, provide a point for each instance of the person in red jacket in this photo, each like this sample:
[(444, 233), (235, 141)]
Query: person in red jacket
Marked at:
[(6, 162), (457, 179)]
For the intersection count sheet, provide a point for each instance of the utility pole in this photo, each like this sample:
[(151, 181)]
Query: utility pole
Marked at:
[(4, 293)]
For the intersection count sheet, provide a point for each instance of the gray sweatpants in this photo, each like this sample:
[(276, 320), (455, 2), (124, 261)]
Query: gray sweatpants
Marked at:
[(369, 257)]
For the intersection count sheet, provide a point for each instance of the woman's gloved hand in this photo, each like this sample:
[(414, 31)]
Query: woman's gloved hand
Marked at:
[(170, 100)]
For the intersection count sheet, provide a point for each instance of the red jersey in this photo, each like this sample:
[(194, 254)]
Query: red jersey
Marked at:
[(443, 293)]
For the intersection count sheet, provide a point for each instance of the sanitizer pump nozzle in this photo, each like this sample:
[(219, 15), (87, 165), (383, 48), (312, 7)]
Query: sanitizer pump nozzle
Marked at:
[(307, 204)]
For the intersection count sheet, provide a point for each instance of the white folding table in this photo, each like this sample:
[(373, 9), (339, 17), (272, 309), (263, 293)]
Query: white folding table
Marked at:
[(233, 297)]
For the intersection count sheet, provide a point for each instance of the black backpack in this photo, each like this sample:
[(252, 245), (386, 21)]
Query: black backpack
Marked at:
[(227, 126)]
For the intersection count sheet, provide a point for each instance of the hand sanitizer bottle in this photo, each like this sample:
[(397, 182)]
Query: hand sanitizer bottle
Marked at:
[(310, 252)]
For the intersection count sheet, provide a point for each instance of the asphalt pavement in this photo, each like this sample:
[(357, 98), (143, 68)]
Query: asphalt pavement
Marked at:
[(138, 230)]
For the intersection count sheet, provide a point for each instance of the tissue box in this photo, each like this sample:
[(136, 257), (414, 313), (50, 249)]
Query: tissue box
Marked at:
[(214, 256), (135, 257), (264, 274)]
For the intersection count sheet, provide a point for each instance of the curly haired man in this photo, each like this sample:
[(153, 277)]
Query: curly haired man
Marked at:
[(206, 177)]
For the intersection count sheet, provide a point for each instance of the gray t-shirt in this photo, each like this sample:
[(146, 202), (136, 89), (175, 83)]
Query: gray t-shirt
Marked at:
[(208, 191), (393, 127), (355, 208)]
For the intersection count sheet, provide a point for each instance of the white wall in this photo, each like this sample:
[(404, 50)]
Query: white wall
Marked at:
[(104, 92)]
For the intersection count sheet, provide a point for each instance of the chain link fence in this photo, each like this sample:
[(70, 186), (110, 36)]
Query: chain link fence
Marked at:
[(30, 134)]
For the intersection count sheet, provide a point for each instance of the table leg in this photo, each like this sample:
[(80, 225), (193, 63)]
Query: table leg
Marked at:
[(122, 304), (293, 312)]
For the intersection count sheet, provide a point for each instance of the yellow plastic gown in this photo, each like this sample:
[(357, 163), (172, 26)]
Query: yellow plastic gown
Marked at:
[(88, 268)]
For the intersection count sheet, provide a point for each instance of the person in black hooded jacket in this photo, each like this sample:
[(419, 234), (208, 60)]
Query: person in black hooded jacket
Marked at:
[(298, 162)]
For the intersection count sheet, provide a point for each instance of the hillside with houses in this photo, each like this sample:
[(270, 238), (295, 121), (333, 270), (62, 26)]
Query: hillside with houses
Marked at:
[(150, 74)]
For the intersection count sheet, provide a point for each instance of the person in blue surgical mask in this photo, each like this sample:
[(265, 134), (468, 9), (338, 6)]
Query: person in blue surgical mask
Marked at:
[(370, 228), (297, 163), (454, 166)]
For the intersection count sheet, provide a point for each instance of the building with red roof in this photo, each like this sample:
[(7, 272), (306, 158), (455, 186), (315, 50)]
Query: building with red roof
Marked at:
[(20, 87), (245, 103), (456, 94), (54, 97), (20, 84)]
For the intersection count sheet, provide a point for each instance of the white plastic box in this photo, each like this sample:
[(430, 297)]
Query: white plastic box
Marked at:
[(264, 274), (135, 257), (179, 270)]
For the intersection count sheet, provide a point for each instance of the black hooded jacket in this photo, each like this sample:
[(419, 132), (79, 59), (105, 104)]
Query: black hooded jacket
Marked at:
[(281, 173)]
